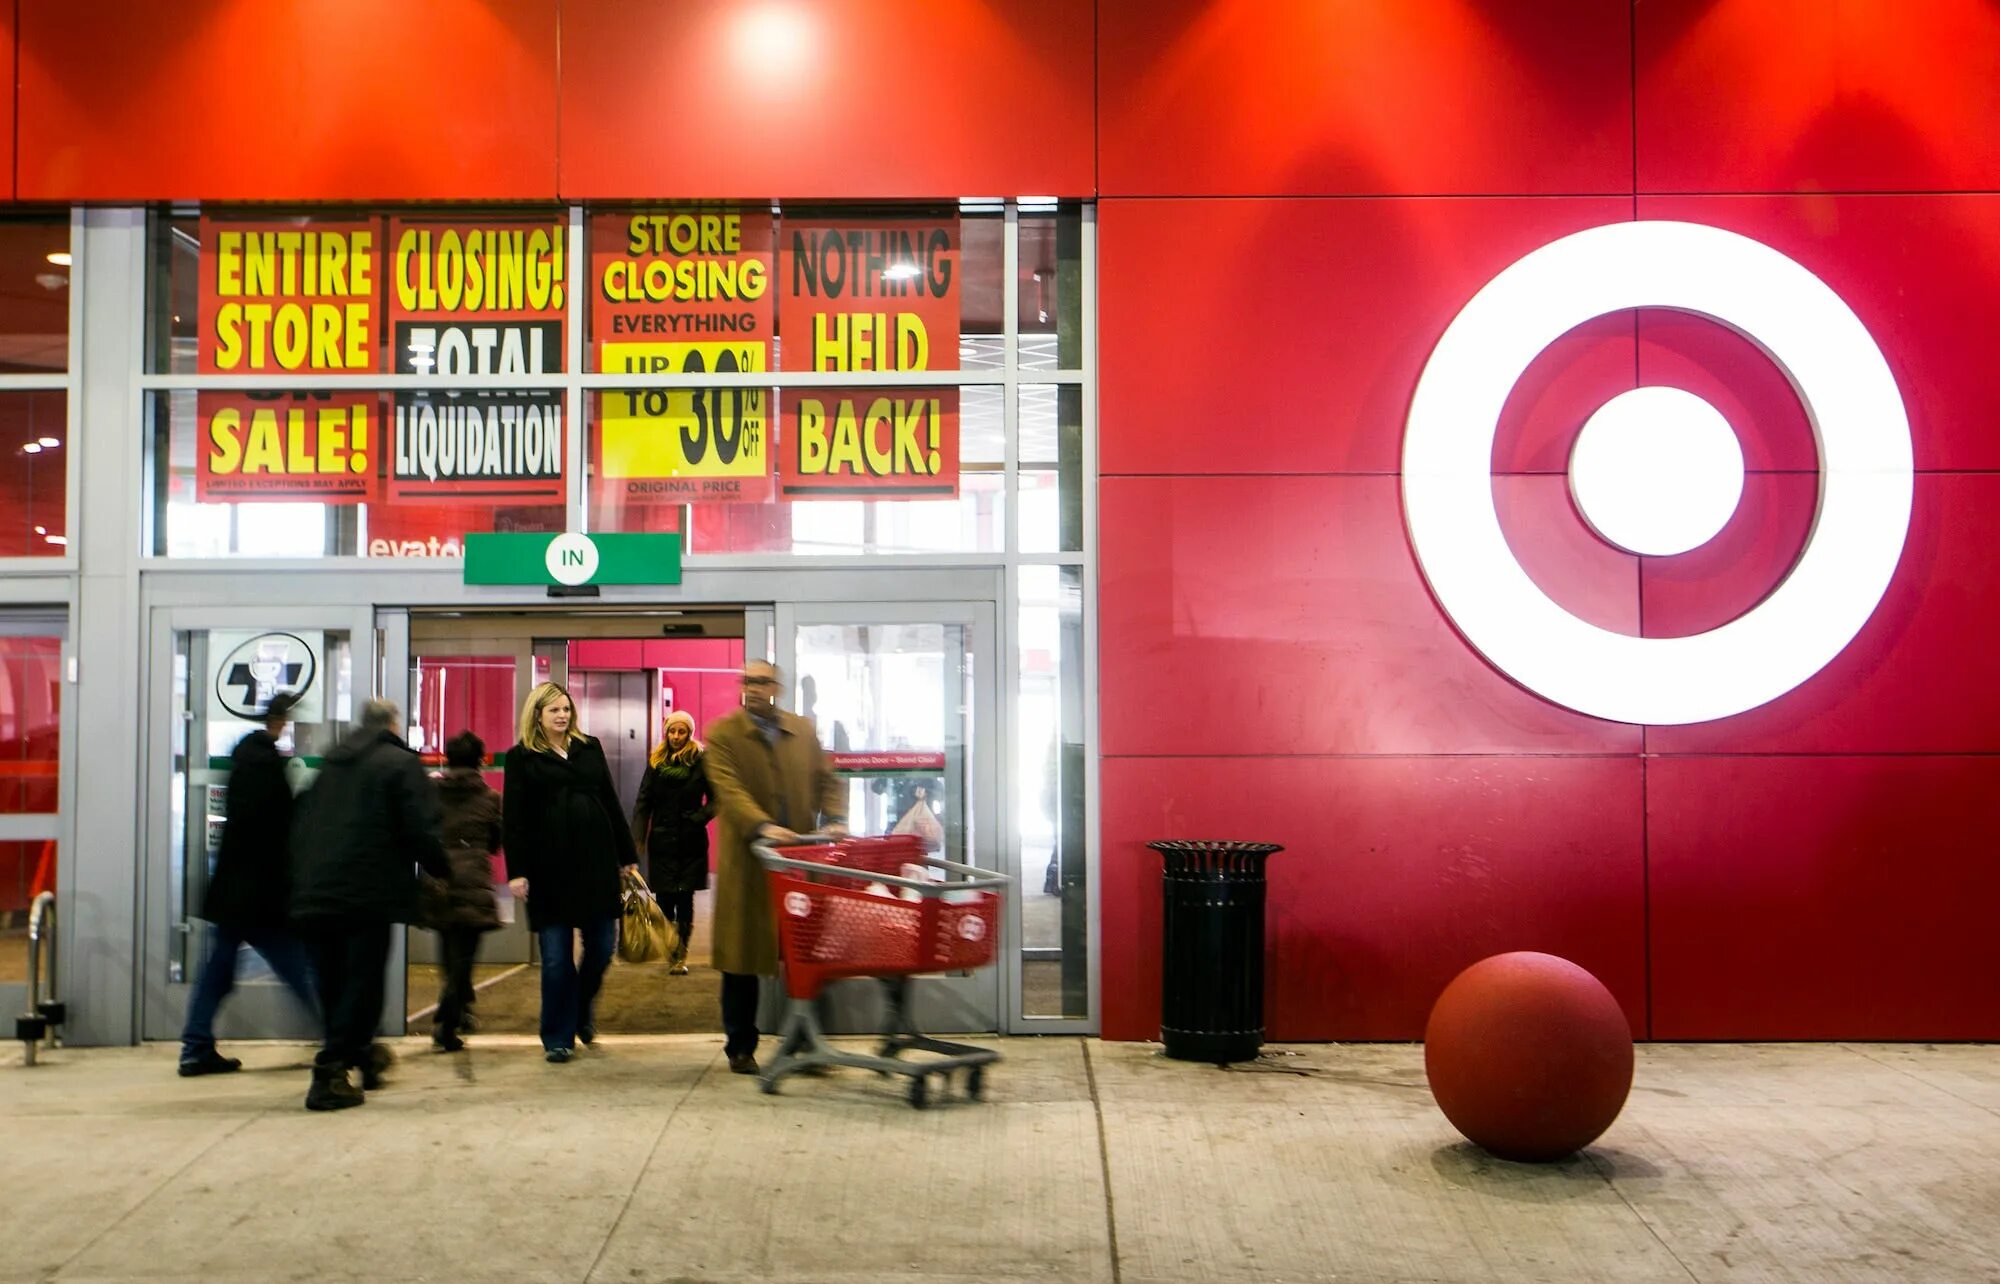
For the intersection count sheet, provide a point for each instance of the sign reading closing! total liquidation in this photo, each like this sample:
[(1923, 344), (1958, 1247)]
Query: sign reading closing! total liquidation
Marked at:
[(477, 297), (870, 295), (683, 290)]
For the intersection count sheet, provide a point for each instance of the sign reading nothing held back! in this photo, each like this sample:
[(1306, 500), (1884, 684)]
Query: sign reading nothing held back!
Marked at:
[(862, 294), (482, 297), (683, 290)]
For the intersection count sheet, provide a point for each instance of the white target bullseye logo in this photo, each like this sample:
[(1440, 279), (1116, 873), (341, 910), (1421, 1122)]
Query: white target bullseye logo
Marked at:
[(1658, 471), (798, 904)]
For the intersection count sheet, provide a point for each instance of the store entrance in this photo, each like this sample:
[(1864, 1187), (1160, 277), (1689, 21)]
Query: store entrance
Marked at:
[(625, 671)]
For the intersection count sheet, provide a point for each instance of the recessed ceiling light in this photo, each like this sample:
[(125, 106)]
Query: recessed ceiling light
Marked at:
[(59, 257)]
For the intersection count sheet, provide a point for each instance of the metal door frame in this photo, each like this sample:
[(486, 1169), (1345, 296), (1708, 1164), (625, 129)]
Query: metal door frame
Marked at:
[(992, 846), (252, 1011), (35, 621)]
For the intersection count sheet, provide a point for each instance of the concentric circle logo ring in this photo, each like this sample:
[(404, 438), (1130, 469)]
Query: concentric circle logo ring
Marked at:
[(1848, 393)]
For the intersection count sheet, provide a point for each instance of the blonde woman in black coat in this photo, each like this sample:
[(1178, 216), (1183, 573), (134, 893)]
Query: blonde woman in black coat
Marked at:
[(566, 841)]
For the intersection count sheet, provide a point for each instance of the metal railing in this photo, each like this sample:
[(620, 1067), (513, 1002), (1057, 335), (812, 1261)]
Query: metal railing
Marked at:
[(44, 1015)]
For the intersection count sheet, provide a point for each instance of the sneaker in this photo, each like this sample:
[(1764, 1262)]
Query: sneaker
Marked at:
[(331, 1091), (678, 969), (556, 1056), (208, 1061), (587, 1034), (742, 1063), (377, 1064), (446, 1041)]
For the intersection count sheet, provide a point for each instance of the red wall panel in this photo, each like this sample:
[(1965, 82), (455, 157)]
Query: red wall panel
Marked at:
[(866, 99), (12, 61), (1397, 874), (1366, 97), (1917, 677), (1300, 356), (233, 100), (1802, 95), (1923, 275), (1824, 897), (1272, 616)]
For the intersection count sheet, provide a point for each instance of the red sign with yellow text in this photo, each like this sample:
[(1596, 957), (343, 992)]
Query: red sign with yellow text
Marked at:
[(884, 443), (682, 290), (869, 294), (289, 297), (305, 447)]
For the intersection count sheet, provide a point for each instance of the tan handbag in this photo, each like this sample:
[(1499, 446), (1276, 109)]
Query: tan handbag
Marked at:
[(644, 934)]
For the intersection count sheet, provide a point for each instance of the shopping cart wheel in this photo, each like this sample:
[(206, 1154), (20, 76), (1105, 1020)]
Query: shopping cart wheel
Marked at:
[(975, 1082), (920, 1091)]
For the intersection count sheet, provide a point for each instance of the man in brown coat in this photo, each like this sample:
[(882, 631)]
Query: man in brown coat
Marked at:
[(770, 781)]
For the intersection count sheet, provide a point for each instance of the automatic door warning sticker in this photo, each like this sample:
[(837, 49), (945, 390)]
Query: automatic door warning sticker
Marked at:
[(798, 904)]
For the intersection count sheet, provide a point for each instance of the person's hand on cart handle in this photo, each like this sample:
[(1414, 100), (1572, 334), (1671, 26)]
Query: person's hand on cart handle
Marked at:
[(834, 829), (518, 886), (777, 835)]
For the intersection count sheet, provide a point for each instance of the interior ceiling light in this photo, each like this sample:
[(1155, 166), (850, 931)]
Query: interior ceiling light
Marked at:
[(59, 257)]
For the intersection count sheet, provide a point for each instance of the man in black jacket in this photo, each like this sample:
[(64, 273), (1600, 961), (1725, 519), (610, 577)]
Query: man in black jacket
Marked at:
[(370, 818), (247, 900)]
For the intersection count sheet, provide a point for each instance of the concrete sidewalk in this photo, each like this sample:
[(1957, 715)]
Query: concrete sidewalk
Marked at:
[(645, 1160)]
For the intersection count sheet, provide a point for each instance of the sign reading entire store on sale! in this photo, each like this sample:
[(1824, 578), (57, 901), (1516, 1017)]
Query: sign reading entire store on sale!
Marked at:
[(278, 297), (862, 294), (477, 296), (683, 290)]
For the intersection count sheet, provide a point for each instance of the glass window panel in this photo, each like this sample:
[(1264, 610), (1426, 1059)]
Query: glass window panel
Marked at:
[(1051, 455), (1050, 272), (894, 688), (1049, 801), (34, 294), (34, 473), (654, 455), (338, 291), (30, 723), (207, 732), (410, 473)]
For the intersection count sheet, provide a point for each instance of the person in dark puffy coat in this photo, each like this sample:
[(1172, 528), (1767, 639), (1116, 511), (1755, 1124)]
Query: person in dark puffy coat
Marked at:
[(670, 822), (248, 897), (566, 841), (369, 817), (461, 908)]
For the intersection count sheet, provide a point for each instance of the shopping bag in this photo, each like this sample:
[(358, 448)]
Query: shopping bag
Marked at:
[(921, 821), (644, 934)]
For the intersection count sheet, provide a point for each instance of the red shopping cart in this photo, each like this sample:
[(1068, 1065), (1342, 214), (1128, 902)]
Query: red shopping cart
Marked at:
[(886, 908)]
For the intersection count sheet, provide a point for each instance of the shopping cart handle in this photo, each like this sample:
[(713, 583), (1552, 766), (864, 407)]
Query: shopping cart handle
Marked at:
[(969, 877)]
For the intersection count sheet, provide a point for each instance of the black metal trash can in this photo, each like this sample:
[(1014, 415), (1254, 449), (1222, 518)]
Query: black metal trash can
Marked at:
[(1212, 949)]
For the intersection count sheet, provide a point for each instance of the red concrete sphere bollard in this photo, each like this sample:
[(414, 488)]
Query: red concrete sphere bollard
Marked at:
[(1529, 1056)]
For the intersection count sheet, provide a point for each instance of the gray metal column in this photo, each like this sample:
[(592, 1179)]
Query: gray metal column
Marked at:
[(99, 890)]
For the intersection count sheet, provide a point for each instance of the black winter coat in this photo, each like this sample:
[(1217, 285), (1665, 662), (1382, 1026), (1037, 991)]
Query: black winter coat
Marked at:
[(251, 888), (471, 836), (370, 816), (671, 819), (565, 833)]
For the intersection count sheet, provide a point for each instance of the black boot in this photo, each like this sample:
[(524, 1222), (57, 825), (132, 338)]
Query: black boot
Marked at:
[(375, 1065), (331, 1091)]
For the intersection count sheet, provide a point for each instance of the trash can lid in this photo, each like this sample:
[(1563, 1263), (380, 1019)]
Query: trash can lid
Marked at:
[(1206, 846)]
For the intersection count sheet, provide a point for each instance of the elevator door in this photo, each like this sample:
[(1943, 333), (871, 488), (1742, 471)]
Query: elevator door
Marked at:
[(616, 707)]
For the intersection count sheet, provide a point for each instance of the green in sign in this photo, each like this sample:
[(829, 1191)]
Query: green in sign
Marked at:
[(572, 558)]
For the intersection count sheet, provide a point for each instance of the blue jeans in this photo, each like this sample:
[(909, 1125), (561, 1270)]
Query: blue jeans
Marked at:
[(282, 950), (567, 990)]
